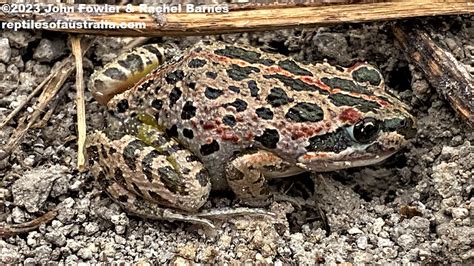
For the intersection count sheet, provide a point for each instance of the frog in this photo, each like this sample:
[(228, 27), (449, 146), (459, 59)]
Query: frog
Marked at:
[(221, 116)]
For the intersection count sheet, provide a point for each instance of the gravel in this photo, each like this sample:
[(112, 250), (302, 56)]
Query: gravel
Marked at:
[(416, 207), (5, 50)]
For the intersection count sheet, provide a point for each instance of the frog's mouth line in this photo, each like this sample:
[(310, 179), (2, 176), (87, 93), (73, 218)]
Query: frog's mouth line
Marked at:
[(326, 162)]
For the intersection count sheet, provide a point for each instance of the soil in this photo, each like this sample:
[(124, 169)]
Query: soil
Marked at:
[(415, 207)]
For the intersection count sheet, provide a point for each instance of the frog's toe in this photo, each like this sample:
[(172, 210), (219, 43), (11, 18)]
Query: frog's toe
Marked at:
[(241, 211)]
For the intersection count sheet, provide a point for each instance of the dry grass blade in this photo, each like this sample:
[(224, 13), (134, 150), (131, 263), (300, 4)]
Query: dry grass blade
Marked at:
[(80, 103), (15, 229), (51, 88), (30, 96)]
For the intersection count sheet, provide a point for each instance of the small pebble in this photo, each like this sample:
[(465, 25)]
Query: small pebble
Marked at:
[(5, 50), (460, 213), (49, 50), (362, 242)]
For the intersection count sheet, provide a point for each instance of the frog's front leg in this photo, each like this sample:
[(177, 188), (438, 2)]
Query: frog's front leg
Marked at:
[(247, 175), (163, 174)]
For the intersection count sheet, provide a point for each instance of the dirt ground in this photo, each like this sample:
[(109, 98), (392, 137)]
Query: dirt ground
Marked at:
[(415, 207)]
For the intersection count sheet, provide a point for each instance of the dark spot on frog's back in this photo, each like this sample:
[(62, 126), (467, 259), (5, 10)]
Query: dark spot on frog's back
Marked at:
[(364, 74), (208, 149), (253, 88), (172, 131), (157, 104), (132, 62), (211, 75), (189, 111), (229, 120), (305, 112), (196, 63), (269, 138), (174, 76), (130, 153), (293, 68), (359, 103), (346, 85), (278, 97), (296, 84), (239, 104), (239, 73), (153, 50), (115, 73), (264, 113), (212, 93), (239, 53), (188, 133), (234, 89), (192, 85), (174, 96)]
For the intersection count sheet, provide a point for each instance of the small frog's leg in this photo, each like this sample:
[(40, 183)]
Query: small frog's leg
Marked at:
[(247, 175), (164, 174)]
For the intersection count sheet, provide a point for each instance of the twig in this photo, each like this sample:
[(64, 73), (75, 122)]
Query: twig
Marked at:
[(51, 88), (15, 229), (80, 103), (449, 77), (21, 105), (253, 17)]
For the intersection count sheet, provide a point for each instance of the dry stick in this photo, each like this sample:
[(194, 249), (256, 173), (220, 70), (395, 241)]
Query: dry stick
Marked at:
[(443, 71), (261, 17), (30, 96), (52, 107), (51, 88), (15, 229), (80, 103)]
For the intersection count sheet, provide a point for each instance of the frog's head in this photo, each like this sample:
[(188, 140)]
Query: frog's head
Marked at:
[(372, 126)]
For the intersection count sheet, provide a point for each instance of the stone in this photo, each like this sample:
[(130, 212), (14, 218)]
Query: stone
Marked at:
[(5, 50), (49, 50)]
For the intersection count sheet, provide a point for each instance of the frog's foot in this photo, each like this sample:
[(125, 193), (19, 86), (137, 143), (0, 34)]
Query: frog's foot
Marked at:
[(247, 174), (241, 211)]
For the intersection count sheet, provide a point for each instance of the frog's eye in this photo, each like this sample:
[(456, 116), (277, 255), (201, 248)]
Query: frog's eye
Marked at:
[(365, 130)]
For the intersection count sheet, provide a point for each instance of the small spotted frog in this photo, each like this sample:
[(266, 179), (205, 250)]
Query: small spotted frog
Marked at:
[(226, 116)]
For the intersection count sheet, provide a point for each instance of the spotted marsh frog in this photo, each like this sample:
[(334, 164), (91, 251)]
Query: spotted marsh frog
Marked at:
[(225, 116)]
